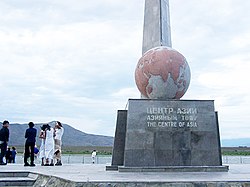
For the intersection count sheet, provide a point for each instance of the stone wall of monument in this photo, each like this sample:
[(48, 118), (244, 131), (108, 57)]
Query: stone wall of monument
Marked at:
[(172, 133)]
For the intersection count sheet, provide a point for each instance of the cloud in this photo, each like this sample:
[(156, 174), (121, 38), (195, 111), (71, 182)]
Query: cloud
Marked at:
[(55, 67), (213, 36), (74, 61)]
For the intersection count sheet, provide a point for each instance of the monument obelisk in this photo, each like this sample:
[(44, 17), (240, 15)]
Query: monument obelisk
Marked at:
[(160, 132), (156, 31)]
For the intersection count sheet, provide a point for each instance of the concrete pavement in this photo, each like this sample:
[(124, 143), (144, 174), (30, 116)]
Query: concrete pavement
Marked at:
[(97, 173)]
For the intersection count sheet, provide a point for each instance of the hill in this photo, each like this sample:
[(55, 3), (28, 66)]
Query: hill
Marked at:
[(74, 137), (71, 137)]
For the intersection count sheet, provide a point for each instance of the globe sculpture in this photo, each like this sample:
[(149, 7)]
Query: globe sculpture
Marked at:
[(162, 73)]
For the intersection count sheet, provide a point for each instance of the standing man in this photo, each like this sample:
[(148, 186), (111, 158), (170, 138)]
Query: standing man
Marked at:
[(93, 155), (58, 142), (4, 138), (30, 136)]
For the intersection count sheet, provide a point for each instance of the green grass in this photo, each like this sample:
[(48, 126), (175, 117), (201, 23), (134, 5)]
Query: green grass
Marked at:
[(230, 151), (235, 151), (86, 150), (77, 150)]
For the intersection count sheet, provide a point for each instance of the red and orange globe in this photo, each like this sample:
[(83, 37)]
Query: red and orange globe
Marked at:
[(162, 73)]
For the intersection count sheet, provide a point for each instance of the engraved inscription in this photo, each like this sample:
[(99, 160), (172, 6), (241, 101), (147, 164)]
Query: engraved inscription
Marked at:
[(164, 117)]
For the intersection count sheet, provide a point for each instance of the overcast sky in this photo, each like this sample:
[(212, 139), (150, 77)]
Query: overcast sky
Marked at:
[(74, 61)]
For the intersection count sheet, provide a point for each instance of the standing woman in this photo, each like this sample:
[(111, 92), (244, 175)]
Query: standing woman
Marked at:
[(42, 146), (58, 143), (49, 146), (30, 136)]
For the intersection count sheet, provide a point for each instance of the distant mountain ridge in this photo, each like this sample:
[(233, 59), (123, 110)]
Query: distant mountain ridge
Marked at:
[(71, 137), (74, 137)]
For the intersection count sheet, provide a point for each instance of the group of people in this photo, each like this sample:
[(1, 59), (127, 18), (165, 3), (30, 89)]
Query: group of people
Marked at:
[(51, 142), (11, 155), (50, 149)]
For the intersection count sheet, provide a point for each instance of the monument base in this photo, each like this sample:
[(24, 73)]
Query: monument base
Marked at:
[(172, 133), (119, 141), (167, 136), (175, 169), (112, 168)]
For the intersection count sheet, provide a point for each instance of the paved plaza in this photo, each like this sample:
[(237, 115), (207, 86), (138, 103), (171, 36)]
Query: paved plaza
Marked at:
[(97, 173)]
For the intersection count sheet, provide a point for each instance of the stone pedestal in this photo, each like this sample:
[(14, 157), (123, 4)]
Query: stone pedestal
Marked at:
[(162, 133), (119, 141), (174, 169), (167, 135)]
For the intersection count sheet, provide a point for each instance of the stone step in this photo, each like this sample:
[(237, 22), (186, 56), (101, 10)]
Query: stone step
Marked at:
[(14, 174), (17, 179)]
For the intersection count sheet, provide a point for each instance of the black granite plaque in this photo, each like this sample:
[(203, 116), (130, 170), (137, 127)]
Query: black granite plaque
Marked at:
[(171, 133)]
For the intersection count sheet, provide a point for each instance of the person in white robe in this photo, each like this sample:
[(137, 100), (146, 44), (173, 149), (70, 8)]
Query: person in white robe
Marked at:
[(49, 146), (59, 130), (93, 155), (42, 146)]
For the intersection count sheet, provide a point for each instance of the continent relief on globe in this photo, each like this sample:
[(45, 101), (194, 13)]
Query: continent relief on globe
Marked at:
[(162, 73)]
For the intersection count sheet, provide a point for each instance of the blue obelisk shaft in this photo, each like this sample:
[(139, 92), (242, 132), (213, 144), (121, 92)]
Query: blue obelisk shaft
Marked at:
[(156, 31)]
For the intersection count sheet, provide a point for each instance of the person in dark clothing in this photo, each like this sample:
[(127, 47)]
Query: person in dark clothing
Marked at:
[(4, 138), (13, 155), (30, 136), (8, 155)]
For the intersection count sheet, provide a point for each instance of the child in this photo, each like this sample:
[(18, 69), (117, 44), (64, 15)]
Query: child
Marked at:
[(13, 155)]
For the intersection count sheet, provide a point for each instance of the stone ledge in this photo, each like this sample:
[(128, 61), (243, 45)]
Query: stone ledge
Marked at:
[(14, 174), (112, 168), (166, 184), (175, 169), (16, 181)]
